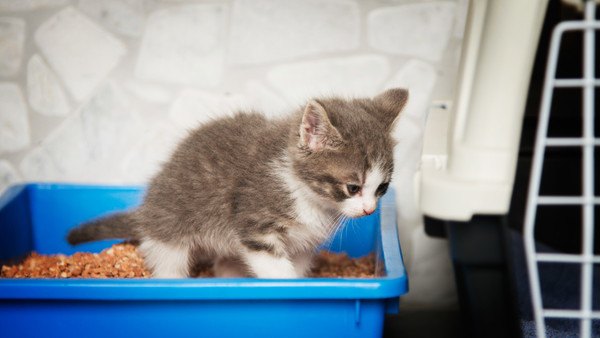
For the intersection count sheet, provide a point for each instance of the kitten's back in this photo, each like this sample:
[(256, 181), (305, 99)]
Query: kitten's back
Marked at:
[(220, 162)]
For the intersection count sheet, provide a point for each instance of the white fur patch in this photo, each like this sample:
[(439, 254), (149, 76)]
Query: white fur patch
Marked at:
[(365, 201), (265, 265), (302, 263), (310, 210), (165, 260)]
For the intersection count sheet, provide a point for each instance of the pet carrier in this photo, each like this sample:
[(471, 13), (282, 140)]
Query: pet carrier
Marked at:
[(467, 187)]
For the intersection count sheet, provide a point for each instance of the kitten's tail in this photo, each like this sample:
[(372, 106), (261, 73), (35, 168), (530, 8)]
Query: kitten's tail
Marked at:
[(119, 225)]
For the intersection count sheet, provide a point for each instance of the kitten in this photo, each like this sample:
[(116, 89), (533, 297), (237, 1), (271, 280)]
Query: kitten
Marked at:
[(257, 197)]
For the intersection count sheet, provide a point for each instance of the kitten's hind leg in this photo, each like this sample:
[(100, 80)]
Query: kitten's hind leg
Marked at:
[(166, 260), (265, 264), (229, 268)]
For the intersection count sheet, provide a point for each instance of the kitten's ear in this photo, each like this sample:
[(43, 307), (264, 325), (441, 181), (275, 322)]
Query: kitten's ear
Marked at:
[(390, 103), (316, 131)]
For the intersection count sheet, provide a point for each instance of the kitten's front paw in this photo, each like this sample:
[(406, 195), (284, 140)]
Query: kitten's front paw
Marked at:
[(303, 264), (266, 265)]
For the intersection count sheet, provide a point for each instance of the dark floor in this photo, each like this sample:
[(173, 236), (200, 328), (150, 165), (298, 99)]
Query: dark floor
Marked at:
[(424, 323)]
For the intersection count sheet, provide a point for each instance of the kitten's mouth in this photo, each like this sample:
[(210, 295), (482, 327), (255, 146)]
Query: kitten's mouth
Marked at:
[(360, 214)]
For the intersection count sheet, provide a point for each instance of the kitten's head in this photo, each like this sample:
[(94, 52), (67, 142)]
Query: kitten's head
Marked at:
[(344, 150)]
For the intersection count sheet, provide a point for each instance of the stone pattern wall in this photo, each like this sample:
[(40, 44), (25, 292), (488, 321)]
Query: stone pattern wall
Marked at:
[(99, 91)]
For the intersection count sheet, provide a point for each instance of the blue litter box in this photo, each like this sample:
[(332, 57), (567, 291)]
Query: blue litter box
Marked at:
[(36, 217)]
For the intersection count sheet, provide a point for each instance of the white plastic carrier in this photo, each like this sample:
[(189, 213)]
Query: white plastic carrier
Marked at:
[(470, 151), (471, 171)]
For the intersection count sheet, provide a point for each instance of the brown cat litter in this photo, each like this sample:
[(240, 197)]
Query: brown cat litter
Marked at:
[(123, 261)]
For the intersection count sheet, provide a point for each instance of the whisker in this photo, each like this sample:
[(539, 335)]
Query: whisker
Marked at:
[(352, 224), (342, 236), (340, 227), (332, 228), (340, 223), (333, 225)]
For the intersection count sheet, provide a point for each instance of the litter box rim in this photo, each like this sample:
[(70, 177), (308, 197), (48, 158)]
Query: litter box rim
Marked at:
[(393, 284)]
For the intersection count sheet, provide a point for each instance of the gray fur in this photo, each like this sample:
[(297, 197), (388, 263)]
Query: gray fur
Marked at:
[(117, 225), (220, 194)]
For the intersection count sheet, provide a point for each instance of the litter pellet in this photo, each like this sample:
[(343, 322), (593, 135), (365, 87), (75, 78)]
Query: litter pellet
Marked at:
[(124, 261), (120, 260)]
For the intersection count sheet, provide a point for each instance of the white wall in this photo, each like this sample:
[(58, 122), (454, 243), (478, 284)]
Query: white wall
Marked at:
[(100, 91)]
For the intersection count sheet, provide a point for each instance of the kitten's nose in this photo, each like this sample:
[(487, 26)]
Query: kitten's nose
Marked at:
[(368, 211)]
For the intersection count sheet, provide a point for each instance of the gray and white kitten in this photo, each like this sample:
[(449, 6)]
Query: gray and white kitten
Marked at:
[(257, 197)]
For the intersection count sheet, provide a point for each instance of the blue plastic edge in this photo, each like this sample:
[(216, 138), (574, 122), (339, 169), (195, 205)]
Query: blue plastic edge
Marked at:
[(11, 193), (15, 203), (391, 286)]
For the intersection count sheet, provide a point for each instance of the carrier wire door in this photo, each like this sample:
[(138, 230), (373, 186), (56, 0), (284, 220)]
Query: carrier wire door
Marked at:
[(586, 259)]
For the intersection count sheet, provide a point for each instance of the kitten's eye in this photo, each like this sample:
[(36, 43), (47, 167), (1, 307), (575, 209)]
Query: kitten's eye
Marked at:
[(382, 188), (352, 188)]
